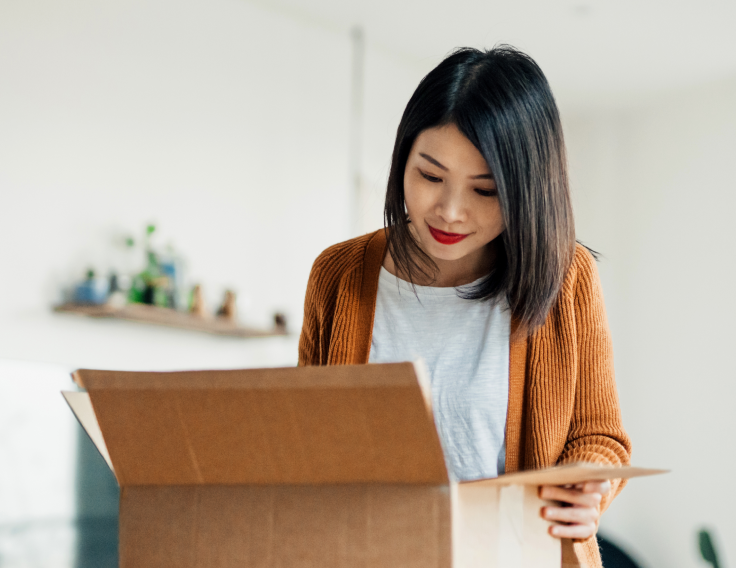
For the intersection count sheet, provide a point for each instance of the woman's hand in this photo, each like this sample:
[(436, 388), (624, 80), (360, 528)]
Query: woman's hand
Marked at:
[(578, 510)]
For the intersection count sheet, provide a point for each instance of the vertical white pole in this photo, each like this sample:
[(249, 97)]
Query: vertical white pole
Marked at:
[(356, 127)]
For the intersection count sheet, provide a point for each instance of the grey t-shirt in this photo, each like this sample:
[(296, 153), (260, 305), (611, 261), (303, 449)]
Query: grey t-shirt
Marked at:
[(465, 345)]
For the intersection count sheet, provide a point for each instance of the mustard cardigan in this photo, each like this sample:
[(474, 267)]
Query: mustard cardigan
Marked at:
[(563, 406)]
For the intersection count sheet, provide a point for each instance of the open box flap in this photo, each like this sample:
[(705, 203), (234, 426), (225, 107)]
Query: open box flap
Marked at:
[(82, 408), (568, 474), (297, 425)]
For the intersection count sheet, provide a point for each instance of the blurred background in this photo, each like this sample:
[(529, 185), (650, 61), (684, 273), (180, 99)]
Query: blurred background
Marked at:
[(252, 134)]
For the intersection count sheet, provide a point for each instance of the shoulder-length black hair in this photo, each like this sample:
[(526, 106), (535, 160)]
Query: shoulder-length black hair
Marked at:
[(501, 101)]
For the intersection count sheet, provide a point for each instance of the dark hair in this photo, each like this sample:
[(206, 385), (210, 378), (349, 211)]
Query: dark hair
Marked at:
[(501, 101)]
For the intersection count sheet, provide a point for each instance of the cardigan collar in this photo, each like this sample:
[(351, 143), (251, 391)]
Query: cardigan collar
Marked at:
[(372, 261)]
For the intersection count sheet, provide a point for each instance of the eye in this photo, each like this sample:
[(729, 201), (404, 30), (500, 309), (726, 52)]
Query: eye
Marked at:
[(429, 177), (487, 192)]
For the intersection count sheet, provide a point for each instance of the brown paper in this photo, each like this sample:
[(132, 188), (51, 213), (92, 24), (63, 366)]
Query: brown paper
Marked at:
[(346, 526), (351, 424), (335, 467)]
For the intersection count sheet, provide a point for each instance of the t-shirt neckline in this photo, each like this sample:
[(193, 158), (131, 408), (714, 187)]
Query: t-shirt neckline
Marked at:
[(386, 277)]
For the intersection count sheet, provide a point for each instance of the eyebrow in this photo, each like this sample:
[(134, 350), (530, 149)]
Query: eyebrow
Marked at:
[(431, 160)]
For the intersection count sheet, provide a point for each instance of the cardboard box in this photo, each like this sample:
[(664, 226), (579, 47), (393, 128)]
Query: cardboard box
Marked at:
[(337, 466)]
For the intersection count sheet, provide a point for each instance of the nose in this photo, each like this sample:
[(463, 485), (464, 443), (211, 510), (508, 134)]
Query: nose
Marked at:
[(451, 206)]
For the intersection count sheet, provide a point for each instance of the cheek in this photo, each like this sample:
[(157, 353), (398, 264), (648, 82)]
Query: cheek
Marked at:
[(492, 220), (415, 199)]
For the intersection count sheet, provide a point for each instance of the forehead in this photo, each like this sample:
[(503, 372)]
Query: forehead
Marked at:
[(451, 148)]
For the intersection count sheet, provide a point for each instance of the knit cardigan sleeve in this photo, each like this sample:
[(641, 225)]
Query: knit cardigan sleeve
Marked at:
[(596, 431)]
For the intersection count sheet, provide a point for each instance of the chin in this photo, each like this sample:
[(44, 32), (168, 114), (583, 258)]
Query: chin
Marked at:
[(450, 252)]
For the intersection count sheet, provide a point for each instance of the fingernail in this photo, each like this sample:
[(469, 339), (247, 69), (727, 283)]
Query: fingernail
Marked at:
[(555, 530)]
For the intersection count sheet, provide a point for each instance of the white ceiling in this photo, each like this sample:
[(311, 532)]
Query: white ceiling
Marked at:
[(595, 52)]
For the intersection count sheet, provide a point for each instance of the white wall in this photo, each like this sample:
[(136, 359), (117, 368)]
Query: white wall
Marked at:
[(390, 80), (224, 123), (655, 193)]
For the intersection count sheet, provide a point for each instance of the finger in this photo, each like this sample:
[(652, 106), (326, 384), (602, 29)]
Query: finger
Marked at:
[(575, 515), (571, 496), (602, 487), (573, 531)]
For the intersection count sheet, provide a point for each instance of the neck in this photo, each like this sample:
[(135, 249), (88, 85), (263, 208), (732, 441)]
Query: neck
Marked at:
[(450, 273)]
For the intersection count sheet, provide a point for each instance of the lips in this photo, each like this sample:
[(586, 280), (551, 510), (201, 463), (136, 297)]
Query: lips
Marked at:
[(445, 238)]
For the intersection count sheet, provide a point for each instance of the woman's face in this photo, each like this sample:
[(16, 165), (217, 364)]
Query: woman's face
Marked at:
[(451, 198)]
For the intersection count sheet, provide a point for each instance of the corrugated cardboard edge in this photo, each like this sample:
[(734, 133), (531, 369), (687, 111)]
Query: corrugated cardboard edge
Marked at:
[(268, 378), (81, 406), (77, 378), (570, 473)]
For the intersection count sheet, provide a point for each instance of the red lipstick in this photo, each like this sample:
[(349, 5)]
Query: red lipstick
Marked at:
[(444, 237)]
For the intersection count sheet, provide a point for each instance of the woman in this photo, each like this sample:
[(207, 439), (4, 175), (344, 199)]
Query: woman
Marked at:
[(478, 272)]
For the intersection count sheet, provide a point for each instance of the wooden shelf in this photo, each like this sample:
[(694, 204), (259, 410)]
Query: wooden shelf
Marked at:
[(143, 313)]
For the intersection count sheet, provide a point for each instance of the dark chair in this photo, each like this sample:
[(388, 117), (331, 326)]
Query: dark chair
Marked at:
[(613, 556)]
